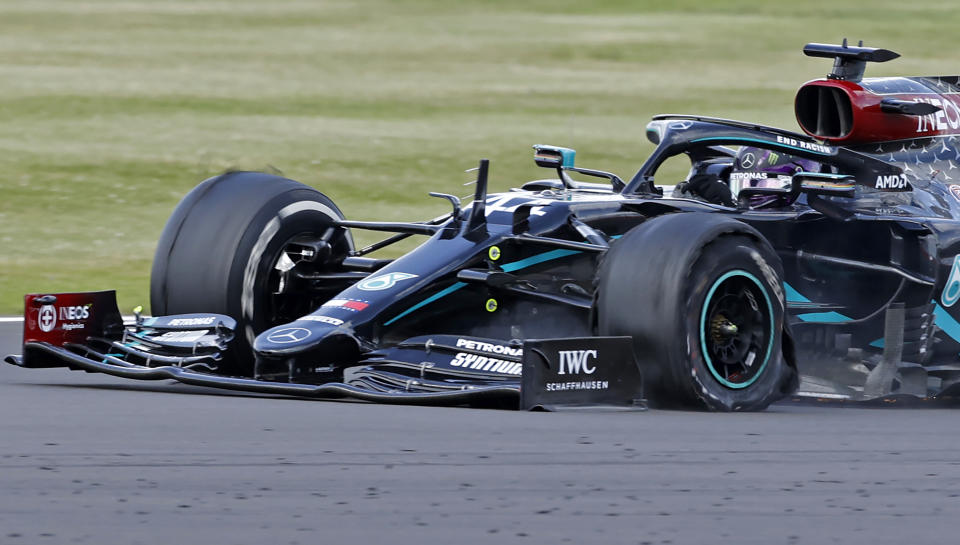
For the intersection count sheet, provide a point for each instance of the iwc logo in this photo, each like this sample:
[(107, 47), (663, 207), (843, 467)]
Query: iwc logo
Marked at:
[(576, 361)]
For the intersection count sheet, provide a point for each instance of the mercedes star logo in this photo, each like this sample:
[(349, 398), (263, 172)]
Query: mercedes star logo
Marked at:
[(288, 335), (748, 160)]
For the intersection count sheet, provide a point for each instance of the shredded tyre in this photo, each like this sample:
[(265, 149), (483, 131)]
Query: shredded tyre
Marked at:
[(702, 297)]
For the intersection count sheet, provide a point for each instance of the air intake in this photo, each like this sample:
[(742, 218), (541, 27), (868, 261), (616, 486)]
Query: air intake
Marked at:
[(824, 111)]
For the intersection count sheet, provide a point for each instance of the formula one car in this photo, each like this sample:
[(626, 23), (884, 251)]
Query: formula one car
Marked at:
[(831, 257)]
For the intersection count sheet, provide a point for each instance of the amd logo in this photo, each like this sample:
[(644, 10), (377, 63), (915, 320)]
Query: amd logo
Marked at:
[(574, 362), (895, 181)]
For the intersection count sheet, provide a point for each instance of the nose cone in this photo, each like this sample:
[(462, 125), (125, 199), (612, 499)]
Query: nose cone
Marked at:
[(324, 342), (289, 338)]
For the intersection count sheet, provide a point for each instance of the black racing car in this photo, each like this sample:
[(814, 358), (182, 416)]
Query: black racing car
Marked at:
[(831, 257)]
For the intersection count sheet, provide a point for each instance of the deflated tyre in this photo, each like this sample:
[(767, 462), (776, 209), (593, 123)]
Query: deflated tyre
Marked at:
[(702, 297)]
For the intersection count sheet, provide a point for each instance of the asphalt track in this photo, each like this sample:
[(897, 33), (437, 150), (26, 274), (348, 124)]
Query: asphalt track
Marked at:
[(92, 459)]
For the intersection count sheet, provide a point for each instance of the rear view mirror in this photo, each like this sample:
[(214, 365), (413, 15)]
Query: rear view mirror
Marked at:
[(819, 183), (561, 159), (553, 156)]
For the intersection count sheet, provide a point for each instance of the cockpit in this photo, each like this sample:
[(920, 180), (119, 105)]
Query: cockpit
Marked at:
[(737, 164)]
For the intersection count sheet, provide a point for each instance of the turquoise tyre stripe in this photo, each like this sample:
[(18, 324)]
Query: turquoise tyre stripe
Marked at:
[(703, 323)]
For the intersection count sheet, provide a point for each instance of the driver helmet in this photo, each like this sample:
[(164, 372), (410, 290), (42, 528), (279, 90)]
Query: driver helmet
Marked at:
[(759, 167)]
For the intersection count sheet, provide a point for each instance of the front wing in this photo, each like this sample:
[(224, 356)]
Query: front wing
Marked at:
[(426, 370)]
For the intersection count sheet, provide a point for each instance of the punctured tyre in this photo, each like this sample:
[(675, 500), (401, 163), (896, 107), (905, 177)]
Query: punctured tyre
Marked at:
[(702, 296)]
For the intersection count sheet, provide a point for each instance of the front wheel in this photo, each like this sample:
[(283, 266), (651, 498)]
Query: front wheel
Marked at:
[(702, 296), (225, 250)]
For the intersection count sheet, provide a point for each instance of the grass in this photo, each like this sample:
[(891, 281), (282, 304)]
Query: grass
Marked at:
[(110, 111)]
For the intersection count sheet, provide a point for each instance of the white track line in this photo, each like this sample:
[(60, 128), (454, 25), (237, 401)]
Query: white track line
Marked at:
[(15, 319)]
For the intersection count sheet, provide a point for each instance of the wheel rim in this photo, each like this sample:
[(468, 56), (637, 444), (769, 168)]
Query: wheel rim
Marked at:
[(283, 307), (736, 329)]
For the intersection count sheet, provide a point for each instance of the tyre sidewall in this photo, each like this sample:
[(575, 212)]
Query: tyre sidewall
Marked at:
[(220, 244)]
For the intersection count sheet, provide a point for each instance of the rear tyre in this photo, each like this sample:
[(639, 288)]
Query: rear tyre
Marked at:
[(702, 297), (219, 253)]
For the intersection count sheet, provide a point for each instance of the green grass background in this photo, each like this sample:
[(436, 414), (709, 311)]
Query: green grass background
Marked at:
[(110, 111)]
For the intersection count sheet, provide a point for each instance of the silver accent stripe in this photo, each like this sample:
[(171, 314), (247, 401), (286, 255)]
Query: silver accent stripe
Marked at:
[(861, 265), (16, 319)]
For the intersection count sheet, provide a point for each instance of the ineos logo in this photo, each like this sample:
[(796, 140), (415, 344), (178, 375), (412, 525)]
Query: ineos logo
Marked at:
[(573, 361), (288, 335)]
